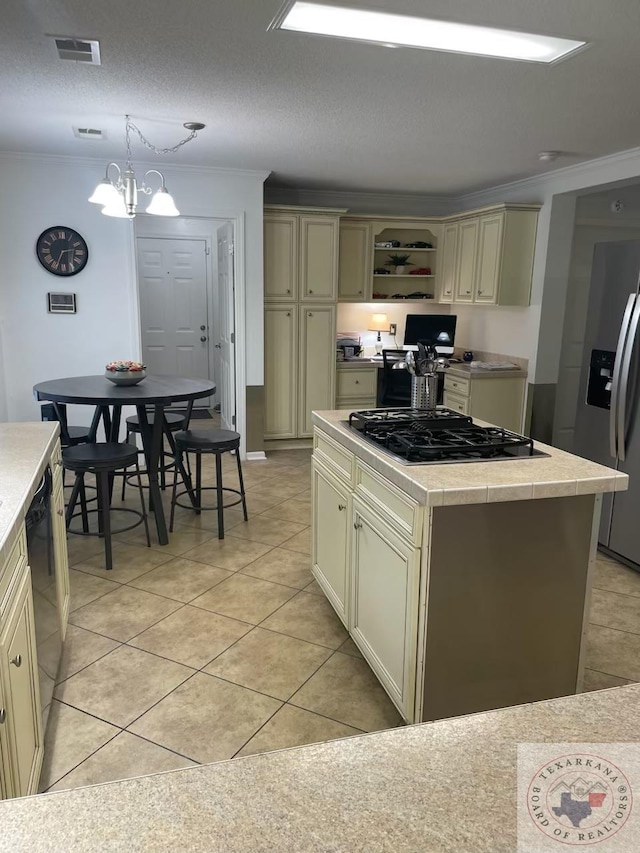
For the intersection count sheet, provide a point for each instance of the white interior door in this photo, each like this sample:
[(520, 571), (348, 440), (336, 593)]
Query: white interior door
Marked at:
[(225, 346), (172, 277)]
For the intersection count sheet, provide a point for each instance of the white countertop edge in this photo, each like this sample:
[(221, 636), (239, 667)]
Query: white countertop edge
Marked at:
[(16, 492), (469, 490)]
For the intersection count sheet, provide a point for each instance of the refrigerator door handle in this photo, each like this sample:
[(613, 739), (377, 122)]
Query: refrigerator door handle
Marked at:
[(617, 370), (623, 390)]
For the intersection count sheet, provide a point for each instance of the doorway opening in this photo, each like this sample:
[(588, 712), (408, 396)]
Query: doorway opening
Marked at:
[(187, 307)]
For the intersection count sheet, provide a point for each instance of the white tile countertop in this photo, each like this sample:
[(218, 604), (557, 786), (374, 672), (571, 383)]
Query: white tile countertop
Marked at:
[(25, 449), (458, 370), (444, 787), (560, 474)]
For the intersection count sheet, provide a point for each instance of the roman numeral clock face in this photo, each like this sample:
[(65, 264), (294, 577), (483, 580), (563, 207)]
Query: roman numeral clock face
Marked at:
[(62, 251)]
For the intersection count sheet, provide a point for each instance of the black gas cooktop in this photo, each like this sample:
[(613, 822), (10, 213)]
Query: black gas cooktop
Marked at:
[(419, 437)]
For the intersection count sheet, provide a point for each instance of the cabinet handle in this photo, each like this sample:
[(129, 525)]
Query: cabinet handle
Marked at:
[(288, 291), (479, 291), (288, 313), (467, 291), (342, 506), (60, 511), (311, 291), (3, 715), (359, 291), (309, 315), (357, 525), (58, 463), (17, 660), (357, 381)]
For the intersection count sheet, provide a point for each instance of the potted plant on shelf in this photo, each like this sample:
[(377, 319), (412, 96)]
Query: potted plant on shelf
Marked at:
[(400, 262)]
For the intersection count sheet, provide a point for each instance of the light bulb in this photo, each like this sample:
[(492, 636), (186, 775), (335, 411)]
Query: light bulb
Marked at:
[(162, 204), (104, 193), (117, 209)]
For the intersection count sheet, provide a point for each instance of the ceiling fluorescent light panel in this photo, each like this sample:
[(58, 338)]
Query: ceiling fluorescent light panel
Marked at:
[(427, 34)]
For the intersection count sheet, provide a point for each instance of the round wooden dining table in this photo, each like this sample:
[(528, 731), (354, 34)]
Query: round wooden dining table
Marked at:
[(155, 392)]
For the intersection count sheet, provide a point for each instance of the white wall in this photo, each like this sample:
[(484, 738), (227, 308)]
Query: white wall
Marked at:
[(355, 316), (38, 192)]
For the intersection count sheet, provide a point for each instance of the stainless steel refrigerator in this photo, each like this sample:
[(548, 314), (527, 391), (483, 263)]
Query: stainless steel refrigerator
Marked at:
[(607, 427)]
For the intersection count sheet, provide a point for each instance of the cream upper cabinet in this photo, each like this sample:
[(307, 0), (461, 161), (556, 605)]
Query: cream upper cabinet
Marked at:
[(316, 380), (20, 689), (385, 573), (281, 366), (489, 257), (281, 256), (449, 252), (356, 261), (319, 240), (466, 258), (330, 544)]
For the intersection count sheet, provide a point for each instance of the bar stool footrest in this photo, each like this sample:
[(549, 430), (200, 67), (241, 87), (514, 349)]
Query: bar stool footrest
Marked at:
[(207, 489), (113, 530)]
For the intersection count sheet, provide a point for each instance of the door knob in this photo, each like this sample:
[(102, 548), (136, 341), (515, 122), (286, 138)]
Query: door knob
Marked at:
[(341, 507), (203, 328), (218, 346), (203, 338), (357, 525), (17, 660)]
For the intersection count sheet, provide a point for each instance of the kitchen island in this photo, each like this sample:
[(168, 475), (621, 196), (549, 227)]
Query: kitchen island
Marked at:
[(466, 586)]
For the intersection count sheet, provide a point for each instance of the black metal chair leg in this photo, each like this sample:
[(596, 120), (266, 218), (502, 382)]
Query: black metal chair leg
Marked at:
[(73, 500), (198, 482), (174, 489), (124, 473), (103, 490), (83, 505), (144, 511), (220, 495), (241, 481)]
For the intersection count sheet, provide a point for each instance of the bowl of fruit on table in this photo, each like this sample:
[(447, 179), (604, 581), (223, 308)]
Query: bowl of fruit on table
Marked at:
[(125, 372)]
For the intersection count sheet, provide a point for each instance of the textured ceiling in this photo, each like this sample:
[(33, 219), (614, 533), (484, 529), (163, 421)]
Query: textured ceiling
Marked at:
[(317, 112)]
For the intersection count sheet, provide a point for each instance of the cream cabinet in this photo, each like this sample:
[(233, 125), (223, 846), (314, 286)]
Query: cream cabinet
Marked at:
[(316, 379), (495, 399), (466, 257), (281, 370), (319, 240), (489, 243), (20, 714), (331, 538), (385, 572), (449, 256), (356, 387), (281, 232), (355, 267)]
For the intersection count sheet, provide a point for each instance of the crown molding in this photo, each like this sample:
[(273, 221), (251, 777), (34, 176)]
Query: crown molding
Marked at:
[(100, 162), (361, 202)]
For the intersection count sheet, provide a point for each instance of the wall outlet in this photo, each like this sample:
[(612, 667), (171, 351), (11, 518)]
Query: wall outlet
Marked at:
[(393, 328)]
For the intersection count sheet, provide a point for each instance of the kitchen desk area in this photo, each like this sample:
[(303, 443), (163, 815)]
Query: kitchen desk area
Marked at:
[(465, 585)]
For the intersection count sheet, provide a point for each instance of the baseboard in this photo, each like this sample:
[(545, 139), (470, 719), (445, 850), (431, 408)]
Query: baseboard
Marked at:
[(255, 454), (288, 444)]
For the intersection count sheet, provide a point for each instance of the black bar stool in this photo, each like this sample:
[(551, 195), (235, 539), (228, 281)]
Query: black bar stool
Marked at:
[(102, 460), (216, 442), (173, 422)]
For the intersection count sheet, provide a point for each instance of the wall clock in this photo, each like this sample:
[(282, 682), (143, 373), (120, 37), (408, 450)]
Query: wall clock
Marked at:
[(62, 251)]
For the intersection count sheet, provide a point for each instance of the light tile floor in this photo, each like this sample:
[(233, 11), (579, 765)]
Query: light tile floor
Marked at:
[(205, 650)]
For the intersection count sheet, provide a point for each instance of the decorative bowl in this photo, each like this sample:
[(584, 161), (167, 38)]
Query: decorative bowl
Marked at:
[(125, 377)]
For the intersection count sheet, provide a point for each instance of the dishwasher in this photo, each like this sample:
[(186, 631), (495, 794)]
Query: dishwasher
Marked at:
[(41, 560)]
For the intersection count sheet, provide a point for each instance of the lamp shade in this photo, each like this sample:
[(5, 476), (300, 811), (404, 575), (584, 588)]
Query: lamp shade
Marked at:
[(117, 208), (162, 204), (379, 323), (104, 193)]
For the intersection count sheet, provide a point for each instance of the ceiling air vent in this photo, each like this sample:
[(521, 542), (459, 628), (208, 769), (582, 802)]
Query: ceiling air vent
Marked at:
[(89, 133), (78, 50)]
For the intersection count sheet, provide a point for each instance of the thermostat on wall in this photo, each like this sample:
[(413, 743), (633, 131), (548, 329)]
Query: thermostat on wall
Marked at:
[(61, 303)]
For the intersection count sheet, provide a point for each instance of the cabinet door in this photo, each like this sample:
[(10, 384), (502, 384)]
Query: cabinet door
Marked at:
[(447, 270), (466, 260), (319, 237), (280, 257), (19, 669), (330, 541), (280, 370), (356, 261), (489, 257), (60, 553), (385, 575), (317, 364)]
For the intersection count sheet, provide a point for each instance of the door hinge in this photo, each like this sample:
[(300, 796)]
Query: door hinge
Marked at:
[(233, 337), (207, 250), (231, 248), (233, 420)]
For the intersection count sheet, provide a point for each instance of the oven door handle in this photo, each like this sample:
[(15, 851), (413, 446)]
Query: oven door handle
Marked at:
[(617, 371)]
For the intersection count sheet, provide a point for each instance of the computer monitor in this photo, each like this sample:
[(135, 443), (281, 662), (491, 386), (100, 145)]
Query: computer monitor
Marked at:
[(436, 329)]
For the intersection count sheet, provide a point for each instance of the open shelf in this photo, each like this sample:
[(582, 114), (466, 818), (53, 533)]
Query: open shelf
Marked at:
[(405, 250), (392, 276)]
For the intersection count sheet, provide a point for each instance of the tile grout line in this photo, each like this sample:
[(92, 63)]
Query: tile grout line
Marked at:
[(620, 630)]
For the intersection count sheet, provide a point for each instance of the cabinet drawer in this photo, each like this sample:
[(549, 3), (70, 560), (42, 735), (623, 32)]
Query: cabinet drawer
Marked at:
[(460, 387), (355, 405), (357, 383), (401, 511), (335, 458), (17, 558), (458, 404)]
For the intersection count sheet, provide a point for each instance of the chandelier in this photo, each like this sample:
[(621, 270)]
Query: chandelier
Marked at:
[(119, 197)]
